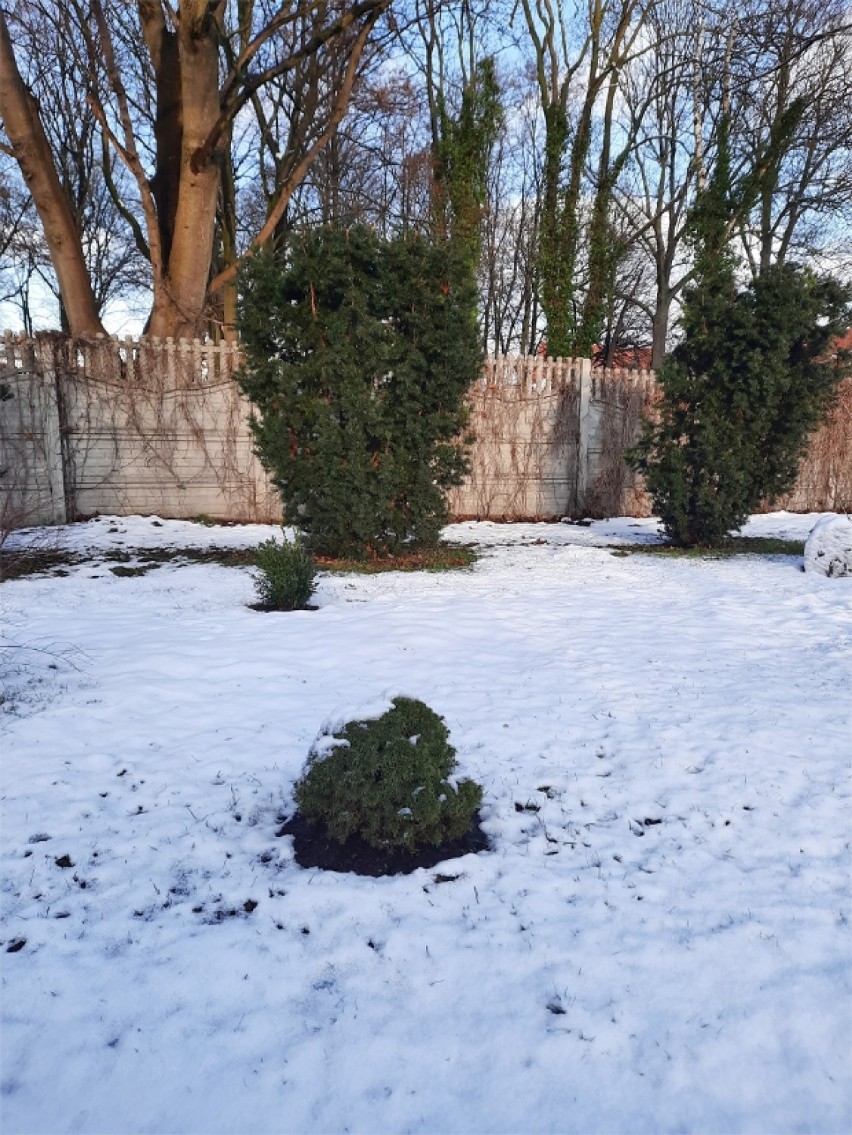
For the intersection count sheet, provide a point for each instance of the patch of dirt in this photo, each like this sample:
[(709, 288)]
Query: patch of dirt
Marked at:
[(19, 564), (123, 571), (730, 546), (27, 562), (268, 608), (445, 557), (314, 847)]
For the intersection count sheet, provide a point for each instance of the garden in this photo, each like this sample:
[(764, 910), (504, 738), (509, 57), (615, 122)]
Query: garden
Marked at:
[(653, 937), (373, 822)]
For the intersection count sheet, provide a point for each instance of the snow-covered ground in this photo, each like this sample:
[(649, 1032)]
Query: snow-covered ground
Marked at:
[(658, 940)]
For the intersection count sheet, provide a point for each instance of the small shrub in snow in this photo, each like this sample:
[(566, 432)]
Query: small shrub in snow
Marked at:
[(389, 780), (287, 575)]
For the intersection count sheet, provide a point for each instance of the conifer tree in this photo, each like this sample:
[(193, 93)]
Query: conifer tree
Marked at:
[(751, 379), (358, 355)]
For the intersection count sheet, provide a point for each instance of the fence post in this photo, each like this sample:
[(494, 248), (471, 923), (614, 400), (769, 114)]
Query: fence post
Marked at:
[(584, 431), (36, 494), (62, 492)]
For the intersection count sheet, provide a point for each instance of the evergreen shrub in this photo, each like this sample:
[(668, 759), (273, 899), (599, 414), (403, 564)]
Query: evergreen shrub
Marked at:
[(358, 354), (753, 375), (389, 781), (751, 380), (287, 575)]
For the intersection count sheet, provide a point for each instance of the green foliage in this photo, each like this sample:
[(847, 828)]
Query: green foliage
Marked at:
[(287, 575), (751, 379), (389, 780), (561, 233), (462, 161), (741, 393), (606, 248), (358, 355), (558, 235)]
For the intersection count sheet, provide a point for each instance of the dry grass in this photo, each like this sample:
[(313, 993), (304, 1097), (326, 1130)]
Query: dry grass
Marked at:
[(446, 557), (21, 563)]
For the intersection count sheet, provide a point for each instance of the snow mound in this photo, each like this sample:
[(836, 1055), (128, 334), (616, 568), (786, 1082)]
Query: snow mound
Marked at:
[(829, 547)]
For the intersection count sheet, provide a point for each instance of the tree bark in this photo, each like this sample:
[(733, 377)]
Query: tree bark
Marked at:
[(162, 44), (180, 312), (20, 114), (660, 327)]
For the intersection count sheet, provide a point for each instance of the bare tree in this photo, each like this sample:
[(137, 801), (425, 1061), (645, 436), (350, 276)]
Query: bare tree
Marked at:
[(166, 90), (795, 57), (162, 142), (780, 73), (664, 96), (509, 267), (578, 57), (376, 168), (92, 179), (30, 146)]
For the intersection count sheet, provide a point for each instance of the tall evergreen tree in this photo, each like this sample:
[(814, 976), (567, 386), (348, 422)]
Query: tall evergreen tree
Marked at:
[(751, 379), (358, 356)]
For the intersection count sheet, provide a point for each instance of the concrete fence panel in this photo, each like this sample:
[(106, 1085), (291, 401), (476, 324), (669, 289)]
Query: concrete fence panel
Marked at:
[(159, 426), (525, 457), (32, 481)]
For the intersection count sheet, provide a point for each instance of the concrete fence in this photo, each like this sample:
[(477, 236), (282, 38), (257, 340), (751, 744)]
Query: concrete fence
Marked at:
[(125, 427), (550, 439), (159, 426)]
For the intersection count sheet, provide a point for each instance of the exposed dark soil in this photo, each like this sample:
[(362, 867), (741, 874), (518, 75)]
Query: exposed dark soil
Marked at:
[(129, 562), (730, 546), (445, 557), (314, 847), (269, 608), (18, 564)]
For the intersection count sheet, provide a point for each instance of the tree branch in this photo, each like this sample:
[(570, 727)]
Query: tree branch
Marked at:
[(238, 88), (298, 174)]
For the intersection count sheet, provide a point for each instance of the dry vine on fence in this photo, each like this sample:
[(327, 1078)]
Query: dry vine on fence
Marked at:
[(142, 426), (624, 397)]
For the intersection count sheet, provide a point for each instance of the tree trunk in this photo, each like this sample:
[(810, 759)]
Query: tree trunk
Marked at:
[(227, 294), (603, 250), (180, 311), (20, 115), (555, 266), (168, 130), (660, 327)]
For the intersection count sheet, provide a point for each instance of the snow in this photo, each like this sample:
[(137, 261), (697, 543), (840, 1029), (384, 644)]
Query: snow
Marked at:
[(829, 547), (658, 940)]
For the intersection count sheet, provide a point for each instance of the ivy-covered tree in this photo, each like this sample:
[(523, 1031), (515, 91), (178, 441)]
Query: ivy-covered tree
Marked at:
[(463, 146), (358, 355)]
